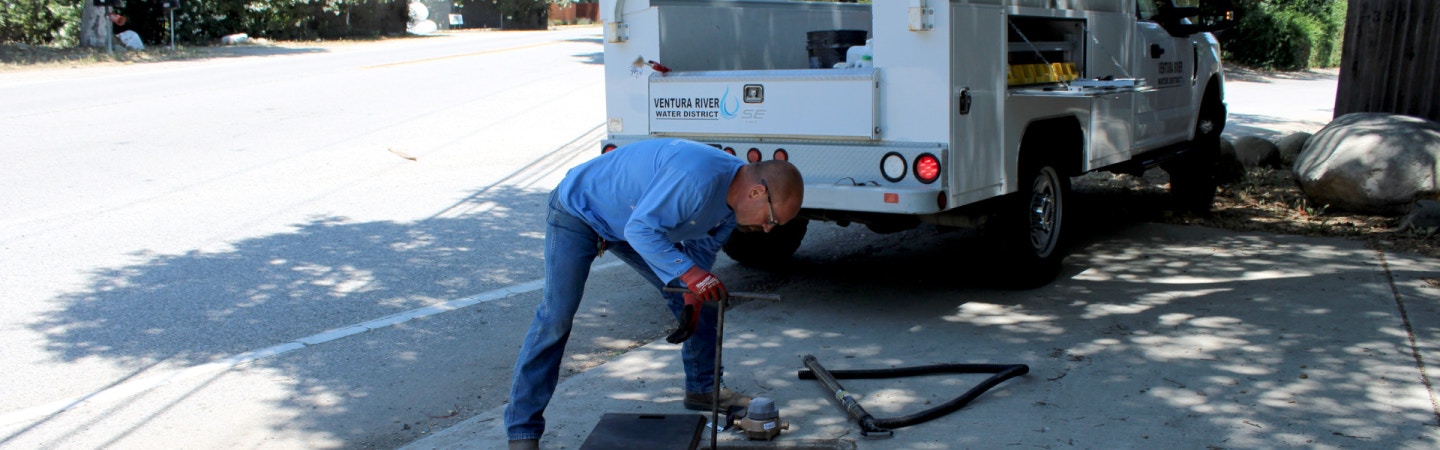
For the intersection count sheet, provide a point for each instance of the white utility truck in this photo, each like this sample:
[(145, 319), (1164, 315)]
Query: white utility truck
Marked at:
[(967, 113)]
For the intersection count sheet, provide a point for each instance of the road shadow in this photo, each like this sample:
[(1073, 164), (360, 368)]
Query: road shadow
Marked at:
[(238, 51), (198, 308), (593, 57)]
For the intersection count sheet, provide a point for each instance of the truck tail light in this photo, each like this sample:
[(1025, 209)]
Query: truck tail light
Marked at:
[(607, 148), (753, 155), (893, 167), (782, 155), (927, 168), (730, 150)]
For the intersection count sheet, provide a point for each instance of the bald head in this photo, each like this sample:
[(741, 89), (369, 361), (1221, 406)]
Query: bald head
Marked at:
[(766, 194), (787, 187)]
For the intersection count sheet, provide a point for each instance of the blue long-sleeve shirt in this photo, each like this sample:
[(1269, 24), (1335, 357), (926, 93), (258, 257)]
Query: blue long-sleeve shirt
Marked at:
[(665, 197)]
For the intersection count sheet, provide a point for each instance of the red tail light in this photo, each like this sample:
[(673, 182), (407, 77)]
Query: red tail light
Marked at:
[(753, 155), (927, 168), (730, 150), (607, 148), (782, 155)]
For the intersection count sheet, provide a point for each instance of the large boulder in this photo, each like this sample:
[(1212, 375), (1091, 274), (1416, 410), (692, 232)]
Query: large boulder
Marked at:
[(1423, 218), (1255, 151), (1371, 162), (1228, 169), (1290, 147)]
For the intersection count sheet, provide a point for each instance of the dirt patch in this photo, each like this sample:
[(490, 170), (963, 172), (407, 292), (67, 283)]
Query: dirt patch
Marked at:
[(1266, 200)]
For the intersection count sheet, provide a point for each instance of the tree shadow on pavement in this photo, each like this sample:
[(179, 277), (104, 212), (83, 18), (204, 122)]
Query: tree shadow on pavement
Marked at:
[(1169, 335), (182, 311)]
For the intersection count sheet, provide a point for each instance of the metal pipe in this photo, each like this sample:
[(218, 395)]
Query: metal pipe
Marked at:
[(744, 295), (715, 401), (864, 419)]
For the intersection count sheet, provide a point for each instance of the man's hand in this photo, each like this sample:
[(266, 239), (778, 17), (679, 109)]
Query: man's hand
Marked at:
[(704, 284), (689, 319)]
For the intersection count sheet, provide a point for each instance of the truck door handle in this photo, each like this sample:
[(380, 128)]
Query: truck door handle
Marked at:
[(1156, 51)]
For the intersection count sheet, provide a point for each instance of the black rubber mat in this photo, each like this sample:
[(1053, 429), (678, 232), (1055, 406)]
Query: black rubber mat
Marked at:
[(617, 431)]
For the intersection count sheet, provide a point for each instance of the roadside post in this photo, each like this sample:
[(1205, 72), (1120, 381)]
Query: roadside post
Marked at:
[(170, 6), (109, 27)]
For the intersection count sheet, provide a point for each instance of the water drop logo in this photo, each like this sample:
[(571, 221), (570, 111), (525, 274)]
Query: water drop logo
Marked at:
[(729, 106)]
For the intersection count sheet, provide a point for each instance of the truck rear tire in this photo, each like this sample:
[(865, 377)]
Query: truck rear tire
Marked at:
[(767, 250), (1032, 225)]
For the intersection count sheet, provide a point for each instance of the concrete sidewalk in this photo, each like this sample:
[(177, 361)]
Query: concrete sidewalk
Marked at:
[(1158, 336)]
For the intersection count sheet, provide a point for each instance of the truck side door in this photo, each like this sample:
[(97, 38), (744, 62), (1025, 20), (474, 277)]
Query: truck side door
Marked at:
[(1166, 62)]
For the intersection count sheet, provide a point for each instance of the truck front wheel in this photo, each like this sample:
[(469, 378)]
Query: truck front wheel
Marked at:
[(1192, 175), (767, 250)]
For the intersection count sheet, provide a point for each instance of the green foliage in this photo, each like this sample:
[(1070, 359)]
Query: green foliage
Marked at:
[(1286, 34), (56, 22), (40, 22)]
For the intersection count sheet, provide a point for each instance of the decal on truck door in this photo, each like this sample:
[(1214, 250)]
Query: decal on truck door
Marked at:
[(1172, 73)]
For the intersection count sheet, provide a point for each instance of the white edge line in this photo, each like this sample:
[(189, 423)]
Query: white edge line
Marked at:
[(136, 387)]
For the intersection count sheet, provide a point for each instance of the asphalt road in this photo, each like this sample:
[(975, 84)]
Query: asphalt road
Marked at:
[(237, 252)]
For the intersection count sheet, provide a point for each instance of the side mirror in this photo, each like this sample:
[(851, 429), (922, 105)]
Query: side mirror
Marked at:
[(1213, 15)]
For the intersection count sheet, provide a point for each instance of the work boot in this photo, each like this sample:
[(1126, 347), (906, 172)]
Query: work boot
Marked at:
[(525, 444), (728, 398)]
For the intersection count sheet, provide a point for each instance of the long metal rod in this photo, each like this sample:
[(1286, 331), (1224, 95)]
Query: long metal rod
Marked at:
[(744, 295), (715, 401)]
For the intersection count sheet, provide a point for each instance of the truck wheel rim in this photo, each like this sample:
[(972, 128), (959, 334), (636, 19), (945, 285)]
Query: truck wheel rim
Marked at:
[(1206, 127), (1045, 207)]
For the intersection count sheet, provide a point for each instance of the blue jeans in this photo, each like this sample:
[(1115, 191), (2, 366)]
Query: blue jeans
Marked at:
[(571, 246)]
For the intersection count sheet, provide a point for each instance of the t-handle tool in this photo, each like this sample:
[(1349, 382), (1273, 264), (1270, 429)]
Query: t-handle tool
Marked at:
[(688, 313), (719, 338)]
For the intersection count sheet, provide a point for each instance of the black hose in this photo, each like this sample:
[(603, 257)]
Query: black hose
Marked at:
[(1002, 372)]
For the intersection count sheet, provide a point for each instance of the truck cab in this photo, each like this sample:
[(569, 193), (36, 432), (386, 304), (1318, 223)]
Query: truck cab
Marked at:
[(970, 113)]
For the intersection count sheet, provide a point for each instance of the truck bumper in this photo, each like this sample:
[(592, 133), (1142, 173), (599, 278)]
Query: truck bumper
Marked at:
[(877, 199)]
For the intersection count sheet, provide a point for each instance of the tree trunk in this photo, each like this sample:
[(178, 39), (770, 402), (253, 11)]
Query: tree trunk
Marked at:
[(1389, 57), (94, 28)]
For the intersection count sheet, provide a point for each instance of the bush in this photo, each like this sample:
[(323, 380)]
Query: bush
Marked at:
[(203, 22), (39, 22), (1286, 35), (56, 22)]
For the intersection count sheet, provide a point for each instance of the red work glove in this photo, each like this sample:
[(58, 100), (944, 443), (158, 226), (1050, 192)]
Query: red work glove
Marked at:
[(689, 319), (704, 284)]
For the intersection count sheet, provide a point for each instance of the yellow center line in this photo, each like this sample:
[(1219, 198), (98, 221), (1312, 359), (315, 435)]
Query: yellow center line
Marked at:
[(463, 55)]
